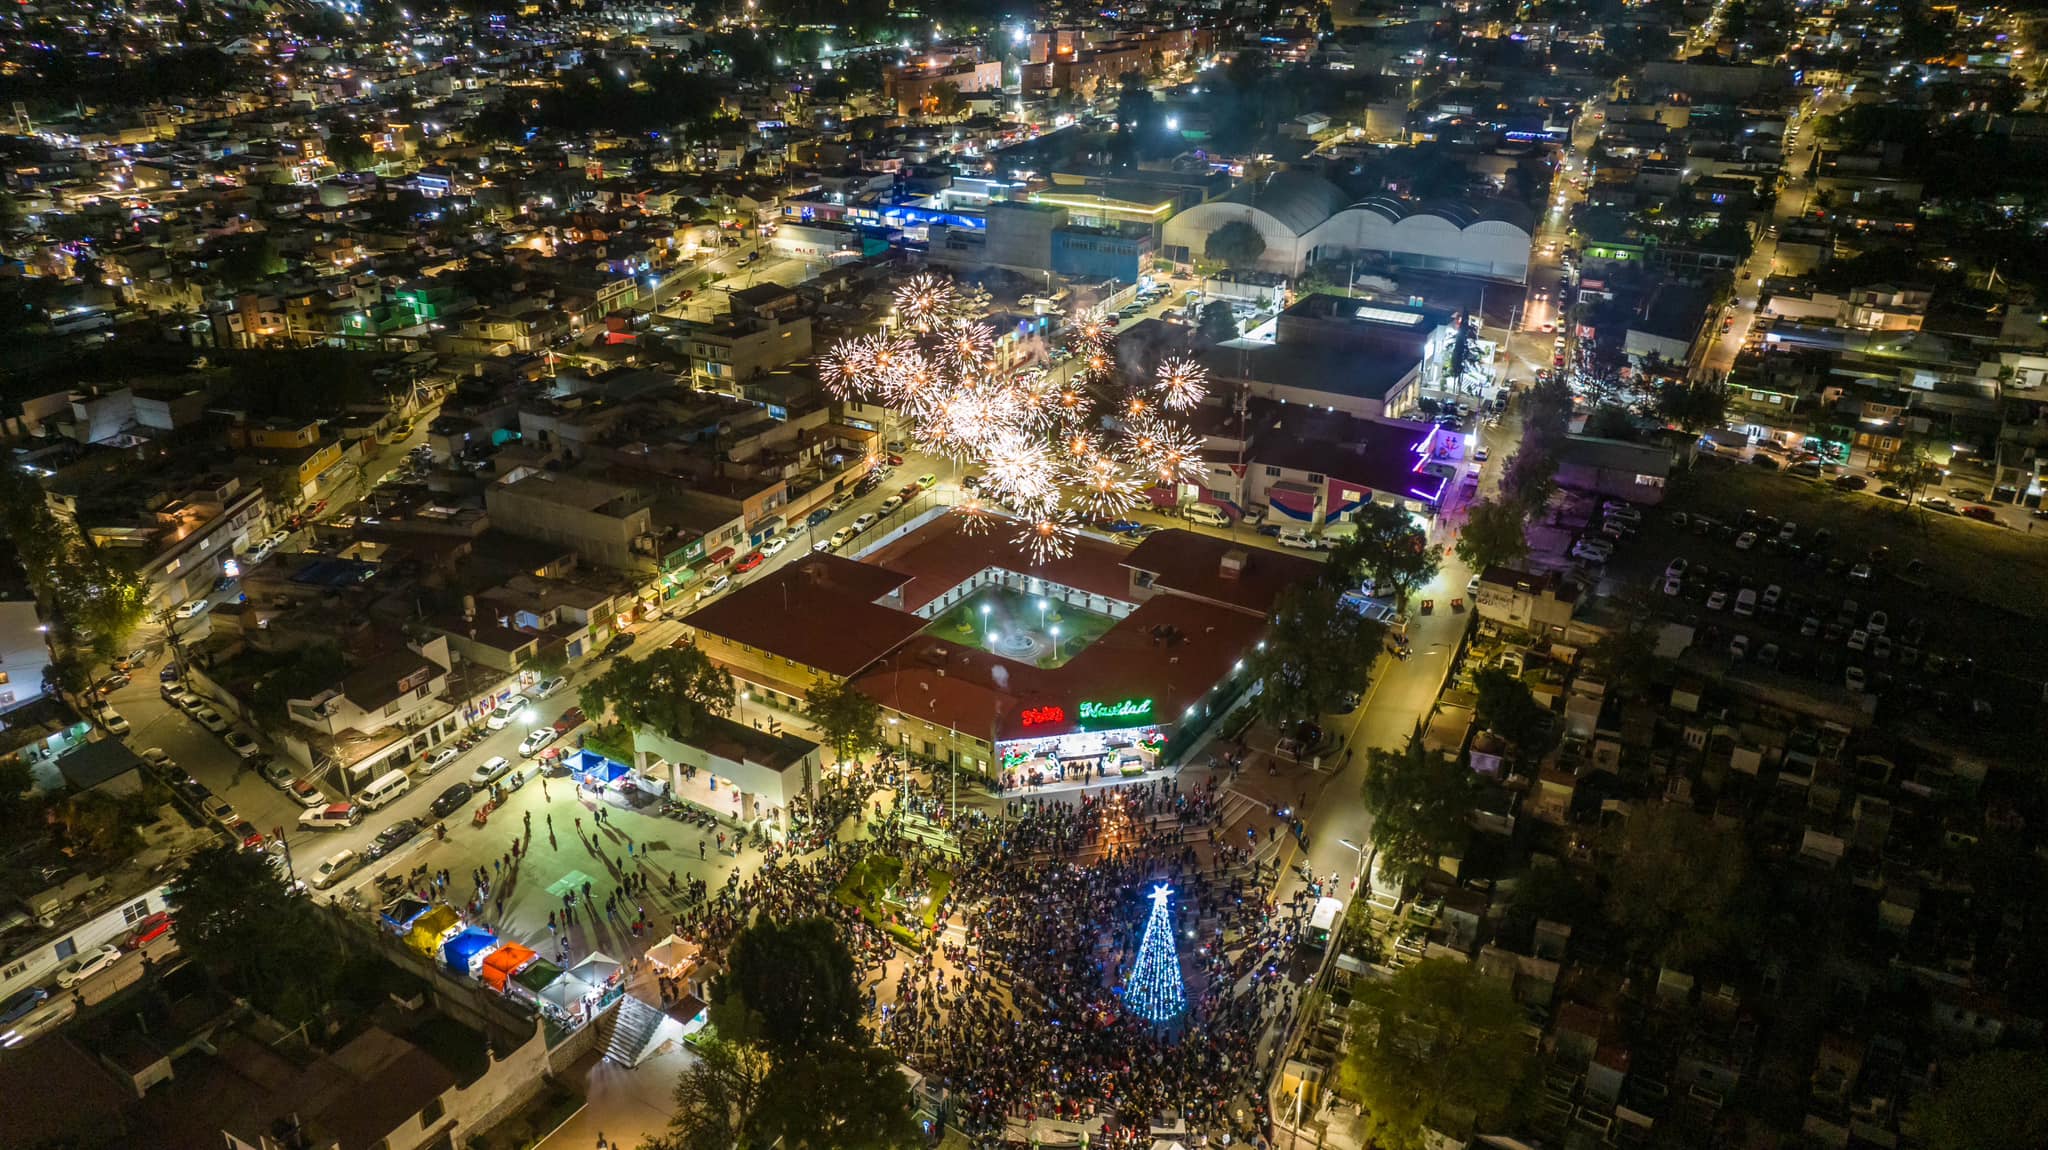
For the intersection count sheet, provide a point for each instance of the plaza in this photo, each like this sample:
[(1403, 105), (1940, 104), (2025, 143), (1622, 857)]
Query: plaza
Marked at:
[(1028, 628)]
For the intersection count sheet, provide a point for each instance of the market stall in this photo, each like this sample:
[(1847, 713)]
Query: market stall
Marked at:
[(431, 929), (402, 912), (531, 980), (506, 962), (465, 952)]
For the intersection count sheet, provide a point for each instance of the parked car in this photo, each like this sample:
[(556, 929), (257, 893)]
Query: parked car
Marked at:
[(890, 504), (150, 929), (842, 537), (306, 794), (394, 836), (748, 562), (1745, 541), (507, 709), (17, 1005), (863, 521), (210, 719), (548, 687), (774, 546), (715, 587), (440, 758), (334, 868), (451, 800), (620, 642), (86, 964), (489, 770), (333, 816), (536, 739), (189, 608), (569, 721), (240, 743), (1981, 514)]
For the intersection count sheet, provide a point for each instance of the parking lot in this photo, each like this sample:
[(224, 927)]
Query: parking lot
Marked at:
[(1840, 609)]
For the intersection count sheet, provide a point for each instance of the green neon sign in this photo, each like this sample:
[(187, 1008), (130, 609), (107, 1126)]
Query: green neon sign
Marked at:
[(1128, 709)]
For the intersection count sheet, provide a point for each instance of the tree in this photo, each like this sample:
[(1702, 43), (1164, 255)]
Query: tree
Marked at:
[(1673, 885), (1388, 548), (1995, 1100), (1529, 477), (1910, 468), (1236, 244), (946, 99), (1509, 709), (671, 692), (243, 927), (1494, 534), (838, 1097), (849, 720), (1439, 1045), (1611, 421), (716, 1098), (1318, 651), (1693, 406), (789, 986), (1218, 323), (1420, 807)]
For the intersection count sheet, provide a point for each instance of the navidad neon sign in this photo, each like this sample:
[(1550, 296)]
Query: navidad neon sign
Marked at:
[(1127, 709)]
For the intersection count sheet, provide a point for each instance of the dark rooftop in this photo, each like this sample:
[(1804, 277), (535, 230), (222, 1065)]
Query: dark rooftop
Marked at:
[(819, 611)]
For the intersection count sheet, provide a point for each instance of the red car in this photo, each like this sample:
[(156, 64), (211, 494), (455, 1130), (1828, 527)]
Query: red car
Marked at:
[(150, 929), (753, 560), (910, 491), (570, 720), (895, 460), (246, 833), (1983, 514)]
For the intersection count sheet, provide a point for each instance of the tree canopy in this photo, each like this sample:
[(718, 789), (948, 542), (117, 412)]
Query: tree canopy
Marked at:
[(1673, 888), (95, 600), (1996, 1100), (1509, 709), (849, 720), (1389, 548), (1495, 533), (1438, 1046), (246, 929), (1317, 652), (1217, 322), (791, 1066), (670, 692), (1236, 244), (1420, 807)]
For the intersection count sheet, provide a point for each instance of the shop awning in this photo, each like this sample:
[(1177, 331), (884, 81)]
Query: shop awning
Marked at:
[(720, 556), (465, 953), (671, 951), (430, 928), (505, 962), (566, 989), (538, 976)]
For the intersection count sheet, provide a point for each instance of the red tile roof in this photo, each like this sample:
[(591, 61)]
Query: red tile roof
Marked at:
[(1187, 563), (940, 557), (819, 611), (1170, 650)]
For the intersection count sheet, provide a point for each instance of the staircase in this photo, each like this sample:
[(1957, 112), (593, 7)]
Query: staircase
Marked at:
[(633, 1032)]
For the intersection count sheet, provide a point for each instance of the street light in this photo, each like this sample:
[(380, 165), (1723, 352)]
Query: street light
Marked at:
[(1055, 642), (1041, 614)]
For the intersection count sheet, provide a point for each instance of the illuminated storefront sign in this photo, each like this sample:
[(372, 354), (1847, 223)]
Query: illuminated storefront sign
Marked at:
[(1128, 709), (1039, 716)]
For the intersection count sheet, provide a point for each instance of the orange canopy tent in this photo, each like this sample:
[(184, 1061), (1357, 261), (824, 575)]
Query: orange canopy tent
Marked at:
[(505, 962)]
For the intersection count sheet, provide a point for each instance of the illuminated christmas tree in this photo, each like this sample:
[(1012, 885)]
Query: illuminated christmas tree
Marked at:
[(1154, 991)]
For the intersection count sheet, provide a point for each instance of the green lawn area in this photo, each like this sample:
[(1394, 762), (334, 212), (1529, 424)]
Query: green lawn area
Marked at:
[(866, 888), (1009, 612), (1994, 565)]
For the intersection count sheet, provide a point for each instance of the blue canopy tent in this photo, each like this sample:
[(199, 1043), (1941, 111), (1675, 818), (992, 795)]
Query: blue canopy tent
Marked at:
[(400, 913), (595, 769), (466, 952)]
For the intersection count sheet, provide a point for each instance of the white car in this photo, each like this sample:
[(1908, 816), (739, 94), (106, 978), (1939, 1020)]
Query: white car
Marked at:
[(550, 686), (863, 521), (774, 546), (716, 586), (256, 555), (441, 759), (536, 739), (220, 810), (507, 710), (84, 966), (240, 743), (892, 503), (190, 608), (210, 719), (111, 719), (1738, 647), (306, 793), (157, 759), (492, 767), (1853, 679), (1745, 541)]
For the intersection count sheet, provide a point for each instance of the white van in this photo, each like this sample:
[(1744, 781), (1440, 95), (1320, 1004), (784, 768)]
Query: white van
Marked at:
[(1322, 923), (1298, 538), (1208, 515), (387, 787)]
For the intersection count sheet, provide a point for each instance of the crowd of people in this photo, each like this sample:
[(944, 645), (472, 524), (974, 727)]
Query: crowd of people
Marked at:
[(1013, 1004)]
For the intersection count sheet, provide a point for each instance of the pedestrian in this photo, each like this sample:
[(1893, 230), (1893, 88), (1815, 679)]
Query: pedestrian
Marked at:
[(700, 849), (579, 826), (529, 822), (551, 824)]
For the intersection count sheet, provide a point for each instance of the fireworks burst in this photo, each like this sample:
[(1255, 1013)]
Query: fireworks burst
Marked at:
[(1052, 446)]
